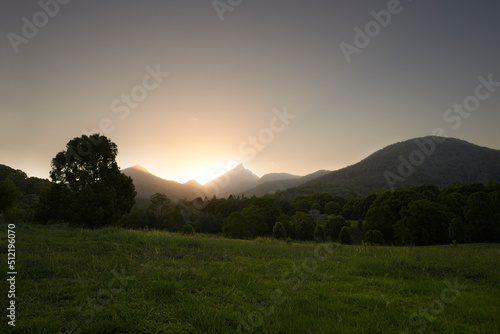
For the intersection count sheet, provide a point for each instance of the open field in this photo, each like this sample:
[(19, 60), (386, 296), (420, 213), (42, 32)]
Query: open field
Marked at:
[(123, 281)]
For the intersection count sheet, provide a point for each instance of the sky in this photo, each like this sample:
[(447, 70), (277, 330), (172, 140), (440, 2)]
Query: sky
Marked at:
[(188, 88)]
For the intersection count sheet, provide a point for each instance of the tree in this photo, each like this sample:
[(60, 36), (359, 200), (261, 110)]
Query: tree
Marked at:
[(457, 230), (301, 204), (385, 210), (270, 209), (304, 226), (334, 226), (332, 208), (236, 226), (319, 233), (288, 224), (360, 226), (345, 236), (9, 195), (136, 219), (316, 207), (207, 223), (173, 219), (159, 203), (88, 182), (373, 237), (480, 214), (256, 218), (423, 223), (158, 208), (279, 231)]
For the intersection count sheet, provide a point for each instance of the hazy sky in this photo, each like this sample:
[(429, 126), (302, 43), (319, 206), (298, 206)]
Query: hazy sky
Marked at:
[(103, 65)]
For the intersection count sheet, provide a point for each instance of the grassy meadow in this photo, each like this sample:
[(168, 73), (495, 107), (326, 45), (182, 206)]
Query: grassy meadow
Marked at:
[(122, 281)]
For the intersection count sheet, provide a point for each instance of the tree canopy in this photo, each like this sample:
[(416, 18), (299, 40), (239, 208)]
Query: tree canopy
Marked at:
[(88, 187)]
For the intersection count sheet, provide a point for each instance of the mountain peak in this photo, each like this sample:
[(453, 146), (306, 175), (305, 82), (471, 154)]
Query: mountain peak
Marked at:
[(239, 166), (139, 168), (193, 182)]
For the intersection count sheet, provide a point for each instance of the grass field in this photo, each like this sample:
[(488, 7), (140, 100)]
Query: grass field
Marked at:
[(122, 281)]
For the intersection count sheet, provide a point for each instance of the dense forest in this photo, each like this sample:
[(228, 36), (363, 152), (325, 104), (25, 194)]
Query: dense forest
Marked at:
[(422, 215), (88, 190)]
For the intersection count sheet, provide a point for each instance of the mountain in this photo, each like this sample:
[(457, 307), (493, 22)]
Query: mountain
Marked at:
[(147, 184), (271, 177), (427, 160), (233, 182), (269, 185), (241, 181), (237, 181)]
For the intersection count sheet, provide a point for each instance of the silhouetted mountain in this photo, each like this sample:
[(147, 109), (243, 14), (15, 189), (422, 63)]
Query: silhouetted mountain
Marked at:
[(427, 160), (270, 186), (147, 184), (271, 177), (237, 181), (233, 182)]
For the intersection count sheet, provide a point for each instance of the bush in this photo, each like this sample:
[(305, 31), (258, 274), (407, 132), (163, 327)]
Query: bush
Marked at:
[(319, 233), (279, 231), (334, 225), (188, 229), (304, 226), (373, 237), (345, 236)]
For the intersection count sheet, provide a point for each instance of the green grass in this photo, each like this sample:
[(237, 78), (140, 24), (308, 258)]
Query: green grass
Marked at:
[(122, 281)]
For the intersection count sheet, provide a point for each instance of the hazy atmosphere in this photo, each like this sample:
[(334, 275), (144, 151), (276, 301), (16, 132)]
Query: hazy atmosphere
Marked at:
[(186, 87)]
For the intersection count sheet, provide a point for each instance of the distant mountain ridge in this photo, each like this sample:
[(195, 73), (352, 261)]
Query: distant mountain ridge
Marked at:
[(270, 186), (237, 181), (147, 184), (425, 160)]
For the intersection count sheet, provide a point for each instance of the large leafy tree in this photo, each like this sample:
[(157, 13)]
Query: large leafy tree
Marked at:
[(88, 187), (334, 226), (423, 223), (304, 226), (480, 214)]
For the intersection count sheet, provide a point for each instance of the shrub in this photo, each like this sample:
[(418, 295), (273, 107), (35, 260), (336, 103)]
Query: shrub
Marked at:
[(279, 231), (319, 233), (304, 226), (188, 229), (334, 225), (345, 236)]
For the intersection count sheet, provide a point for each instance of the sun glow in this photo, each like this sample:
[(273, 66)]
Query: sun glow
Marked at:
[(202, 176), (205, 175)]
